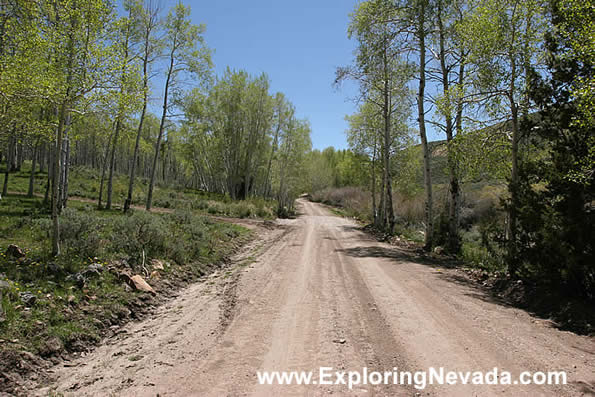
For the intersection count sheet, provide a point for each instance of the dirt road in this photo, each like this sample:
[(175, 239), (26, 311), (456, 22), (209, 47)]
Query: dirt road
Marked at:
[(317, 292)]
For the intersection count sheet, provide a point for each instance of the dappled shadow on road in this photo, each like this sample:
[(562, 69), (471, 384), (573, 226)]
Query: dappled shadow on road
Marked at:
[(542, 302), (375, 252), (474, 289), (399, 257), (585, 388), (559, 308), (352, 228), (545, 303), (395, 253)]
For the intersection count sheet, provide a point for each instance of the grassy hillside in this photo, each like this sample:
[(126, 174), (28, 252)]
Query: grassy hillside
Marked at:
[(85, 183), (51, 305), (480, 217)]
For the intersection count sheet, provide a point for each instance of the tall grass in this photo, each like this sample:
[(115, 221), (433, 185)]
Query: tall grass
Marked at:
[(70, 303), (481, 221), (353, 200)]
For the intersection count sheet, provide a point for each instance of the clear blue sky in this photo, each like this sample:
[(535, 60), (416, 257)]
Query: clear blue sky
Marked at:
[(299, 44)]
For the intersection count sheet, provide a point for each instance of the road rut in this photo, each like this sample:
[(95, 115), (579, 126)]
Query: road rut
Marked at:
[(317, 292)]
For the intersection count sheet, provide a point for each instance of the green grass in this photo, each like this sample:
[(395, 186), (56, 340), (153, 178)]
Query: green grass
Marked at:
[(77, 315), (409, 233), (85, 183), (342, 212), (480, 252)]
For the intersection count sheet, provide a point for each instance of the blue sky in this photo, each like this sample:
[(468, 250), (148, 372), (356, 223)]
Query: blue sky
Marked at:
[(299, 44)]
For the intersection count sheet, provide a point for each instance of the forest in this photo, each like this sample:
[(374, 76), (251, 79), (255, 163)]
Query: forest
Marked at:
[(473, 140), (509, 87), (77, 80), (119, 144)]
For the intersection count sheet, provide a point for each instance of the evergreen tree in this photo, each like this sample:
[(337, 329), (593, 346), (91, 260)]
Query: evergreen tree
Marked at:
[(556, 193)]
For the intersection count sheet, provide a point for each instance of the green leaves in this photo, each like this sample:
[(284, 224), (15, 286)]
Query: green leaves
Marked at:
[(577, 29), (187, 55), (503, 38), (242, 140)]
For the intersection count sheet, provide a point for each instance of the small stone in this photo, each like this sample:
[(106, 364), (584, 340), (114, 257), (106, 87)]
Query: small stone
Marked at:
[(52, 346), (14, 251), (139, 284), (77, 278), (157, 264), (118, 264), (93, 269), (54, 269), (28, 298)]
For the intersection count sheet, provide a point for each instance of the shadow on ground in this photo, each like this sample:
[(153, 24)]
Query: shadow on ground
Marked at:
[(541, 301)]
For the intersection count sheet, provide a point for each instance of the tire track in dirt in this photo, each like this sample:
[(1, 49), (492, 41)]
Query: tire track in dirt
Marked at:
[(317, 292)]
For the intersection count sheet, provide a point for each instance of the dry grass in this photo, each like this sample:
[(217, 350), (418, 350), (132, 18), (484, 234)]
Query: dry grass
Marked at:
[(354, 200)]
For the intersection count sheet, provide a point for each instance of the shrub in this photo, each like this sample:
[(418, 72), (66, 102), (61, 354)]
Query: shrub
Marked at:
[(140, 231), (264, 212), (79, 231), (217, 208), (481, 246), (200, 204), (243, 210), (409, 210), (354, 200), (480, 257)]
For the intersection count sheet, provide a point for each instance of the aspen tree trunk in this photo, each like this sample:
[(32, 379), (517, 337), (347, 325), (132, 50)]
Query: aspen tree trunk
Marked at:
[(63, 118), (33, 167), (514, 177), (56, 177), (110, 180), (48, 185), (374, 214), (18, 159), (161, 129), (453, 244), (511, 229), (119, 116), (382, 204), (422, 127), (66, 170), (139, 132), (103, 170), (282, 196), (42, 157), (9, 161), (389, 217), (267, 186)]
